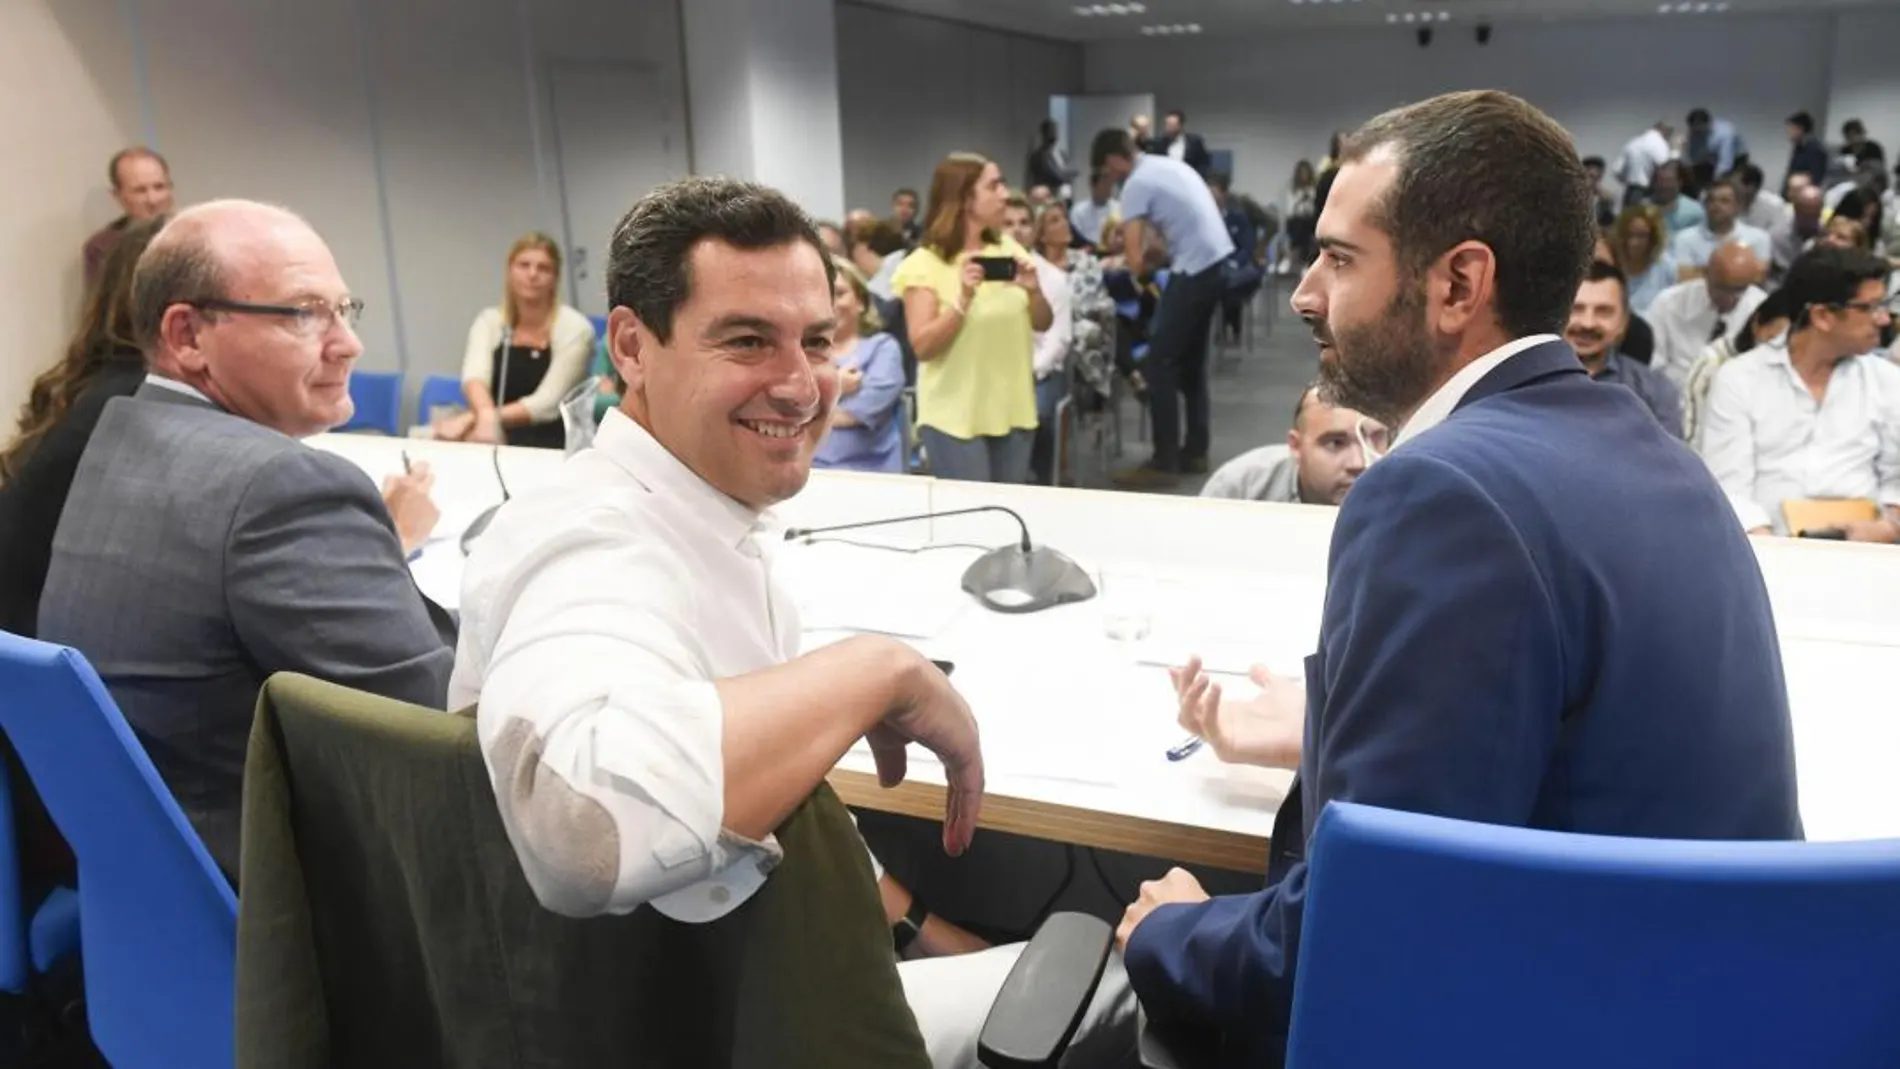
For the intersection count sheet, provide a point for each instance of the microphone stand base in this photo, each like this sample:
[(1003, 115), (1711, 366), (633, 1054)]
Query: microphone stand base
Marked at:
[(1013, 580)]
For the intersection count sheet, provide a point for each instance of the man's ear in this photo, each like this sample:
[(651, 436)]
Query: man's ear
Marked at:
[(629, 347), (178, 334), (1464, 285), (1293, 441)]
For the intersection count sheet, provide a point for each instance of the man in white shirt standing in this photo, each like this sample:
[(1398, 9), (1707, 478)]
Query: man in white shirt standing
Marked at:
[(1636, 167), (644, 711), (1688, 316), (1721, 226), (1817, 414)]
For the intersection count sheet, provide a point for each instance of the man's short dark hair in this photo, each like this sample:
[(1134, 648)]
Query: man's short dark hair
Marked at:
[(1219, 180), (1595, 161), (1723, 182), (1598, 271), (1177, 115), (1486, 166), (1803, 120), (1110, 142), (879, 235), (174, 269), (136, 152), (1853, 128), (906, 191), (649, 263), (1749, 175), (1826, 275), (1699, 117)]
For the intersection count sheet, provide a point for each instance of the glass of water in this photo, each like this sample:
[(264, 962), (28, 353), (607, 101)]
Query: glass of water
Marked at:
[(1127, 607)]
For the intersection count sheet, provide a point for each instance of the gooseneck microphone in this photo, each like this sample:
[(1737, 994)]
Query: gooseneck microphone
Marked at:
[(1018, 578), (487, 516)]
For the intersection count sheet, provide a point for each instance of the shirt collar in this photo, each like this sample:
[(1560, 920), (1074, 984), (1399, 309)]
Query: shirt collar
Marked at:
[(654, 467), (178, 387), (1439, 405)]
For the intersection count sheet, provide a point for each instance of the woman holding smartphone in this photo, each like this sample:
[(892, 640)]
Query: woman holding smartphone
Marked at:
[(972, 303)]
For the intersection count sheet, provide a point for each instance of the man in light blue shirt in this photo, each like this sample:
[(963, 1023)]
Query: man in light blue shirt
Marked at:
[(1679, 212), (1715, 141), (1173, 198), (1692, 248)]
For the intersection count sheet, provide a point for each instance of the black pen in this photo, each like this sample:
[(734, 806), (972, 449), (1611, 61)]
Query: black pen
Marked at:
[(406, 470)]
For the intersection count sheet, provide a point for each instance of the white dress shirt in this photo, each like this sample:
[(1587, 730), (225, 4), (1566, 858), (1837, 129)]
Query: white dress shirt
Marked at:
[(1767, 211), (1684, 319), (1088, 218), (1439, 406), (1052, 345), (177, 387), (597, 612), (1644, 153), (1768, 440)]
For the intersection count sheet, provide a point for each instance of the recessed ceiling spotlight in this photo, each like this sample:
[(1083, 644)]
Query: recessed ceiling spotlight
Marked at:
[(1194, 27), (1444, 16), (1391, 17), (1137, 9)]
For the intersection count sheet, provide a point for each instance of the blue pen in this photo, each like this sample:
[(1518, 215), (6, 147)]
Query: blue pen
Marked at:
[(1187, 748)]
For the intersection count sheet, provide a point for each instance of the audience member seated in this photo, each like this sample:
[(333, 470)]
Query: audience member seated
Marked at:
[(692, 649), (1692, 248), (1326, 451), (1679, 212), (974, 338), (833, 237), (1240, 275), (1537, 531), (142, 184), (904, 217), (1606, 204), (1768, 324), (1844, 233), (1094, 215), (1640, 242), (1598, 318), (1715, 142), (102, 361), (1860, 206), (1761, 209), (1818, 413), (1639, 341), (1800, 228), (1091, 315), (203, 547), (1051, 354), (1807, 156), (1690, 315), (522, 357), (876, 251), (1863, 149), (866, 431), (1177, 143)]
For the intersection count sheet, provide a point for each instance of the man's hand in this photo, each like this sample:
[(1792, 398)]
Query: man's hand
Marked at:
[(1883, 530), (932, 714), (1265, 730), (414, 512), (455, 428), (1176, 887), (487, 429)]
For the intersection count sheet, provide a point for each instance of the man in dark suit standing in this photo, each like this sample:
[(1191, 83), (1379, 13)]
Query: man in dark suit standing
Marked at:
[(1176, 143), (1515, 631)]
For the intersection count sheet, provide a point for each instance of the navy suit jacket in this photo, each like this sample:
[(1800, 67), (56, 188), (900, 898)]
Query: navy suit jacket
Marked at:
[(1540, 613)]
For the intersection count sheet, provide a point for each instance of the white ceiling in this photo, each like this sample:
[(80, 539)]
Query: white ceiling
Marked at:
[(1057, 18)]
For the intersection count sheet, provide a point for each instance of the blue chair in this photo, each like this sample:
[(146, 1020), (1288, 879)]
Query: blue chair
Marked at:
[(378, 397), (160, 920), (1430, 941), (437, 390), (600, 326), (29, 945)]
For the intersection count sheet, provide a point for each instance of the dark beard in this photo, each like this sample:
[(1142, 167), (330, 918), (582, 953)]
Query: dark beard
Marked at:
[(1384, 368)]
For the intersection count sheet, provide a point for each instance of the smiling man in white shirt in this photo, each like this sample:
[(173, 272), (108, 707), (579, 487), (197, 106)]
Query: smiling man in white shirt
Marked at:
[(648, 722), (1817, 414)]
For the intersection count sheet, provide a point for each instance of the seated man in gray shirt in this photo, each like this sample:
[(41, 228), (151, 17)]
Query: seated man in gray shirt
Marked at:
[(1325, 453), (1598, 319), (203, 546)]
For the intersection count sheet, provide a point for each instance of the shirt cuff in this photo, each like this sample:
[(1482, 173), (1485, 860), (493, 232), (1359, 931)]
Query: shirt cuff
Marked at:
[(740, 866)]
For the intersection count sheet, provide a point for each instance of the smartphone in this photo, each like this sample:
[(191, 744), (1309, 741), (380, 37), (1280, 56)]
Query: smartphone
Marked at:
[(944, 666), (997, 268), (1835, 534)]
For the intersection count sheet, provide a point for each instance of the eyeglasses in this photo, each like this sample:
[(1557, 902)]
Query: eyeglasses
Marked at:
[(310, 318), (1891, 306)]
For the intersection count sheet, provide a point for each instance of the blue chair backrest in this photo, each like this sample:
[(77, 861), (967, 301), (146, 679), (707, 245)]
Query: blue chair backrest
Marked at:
[(437, 390), (1430, 941), (600, 326), (13, 954), (378, 397), (160, 921)]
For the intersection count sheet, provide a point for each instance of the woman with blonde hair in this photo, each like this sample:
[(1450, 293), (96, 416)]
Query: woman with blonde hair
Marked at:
[(976, 401), (1639, 241), (866, 434), (523, 356)]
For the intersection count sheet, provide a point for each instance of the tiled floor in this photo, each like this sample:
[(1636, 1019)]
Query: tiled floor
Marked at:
[(1254, 390)]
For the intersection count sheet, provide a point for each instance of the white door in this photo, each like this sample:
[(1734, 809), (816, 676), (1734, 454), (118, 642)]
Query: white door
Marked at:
[(618, 133), (1086, 116)]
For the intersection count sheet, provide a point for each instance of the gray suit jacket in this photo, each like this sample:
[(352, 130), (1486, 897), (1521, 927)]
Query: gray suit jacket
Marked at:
[(199, 553)]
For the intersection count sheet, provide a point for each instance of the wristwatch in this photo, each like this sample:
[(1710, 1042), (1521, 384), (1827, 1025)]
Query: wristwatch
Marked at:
[(905, 931)]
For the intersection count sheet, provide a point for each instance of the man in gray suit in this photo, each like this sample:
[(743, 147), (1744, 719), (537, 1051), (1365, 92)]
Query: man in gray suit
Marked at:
[(204, 547)]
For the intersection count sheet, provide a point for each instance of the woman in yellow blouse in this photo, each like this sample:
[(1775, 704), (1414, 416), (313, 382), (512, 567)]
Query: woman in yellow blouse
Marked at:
[(976, 387)]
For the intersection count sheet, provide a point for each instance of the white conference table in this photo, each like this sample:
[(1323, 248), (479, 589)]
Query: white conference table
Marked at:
[(1076, 725)]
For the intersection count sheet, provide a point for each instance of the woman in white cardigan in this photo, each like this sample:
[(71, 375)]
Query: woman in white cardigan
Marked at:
[(522, 357)]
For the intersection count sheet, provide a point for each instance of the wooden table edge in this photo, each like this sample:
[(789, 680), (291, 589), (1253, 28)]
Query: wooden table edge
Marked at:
[(1065, 824)]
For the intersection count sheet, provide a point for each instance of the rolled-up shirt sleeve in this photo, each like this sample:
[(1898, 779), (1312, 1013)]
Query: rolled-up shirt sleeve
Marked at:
[(601, 729)]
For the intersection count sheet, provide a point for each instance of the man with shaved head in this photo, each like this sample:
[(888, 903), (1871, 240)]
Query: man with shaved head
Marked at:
[(1689, 315), (203, 547)]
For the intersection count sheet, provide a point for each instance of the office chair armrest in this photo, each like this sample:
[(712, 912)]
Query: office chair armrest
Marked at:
[(1042, 1002)]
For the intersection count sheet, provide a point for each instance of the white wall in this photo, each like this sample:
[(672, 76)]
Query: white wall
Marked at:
[(1866, 80), (913, 89), (1276, 100)]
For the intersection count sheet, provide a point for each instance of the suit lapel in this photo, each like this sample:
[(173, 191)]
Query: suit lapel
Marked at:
[(1531, 365)]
